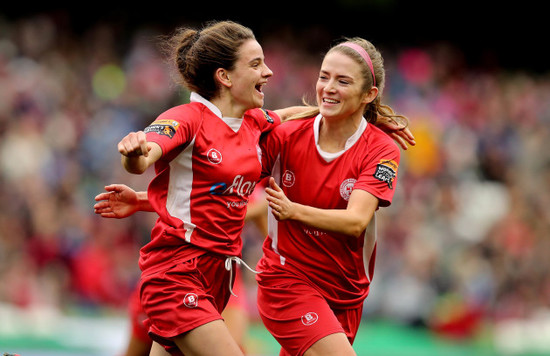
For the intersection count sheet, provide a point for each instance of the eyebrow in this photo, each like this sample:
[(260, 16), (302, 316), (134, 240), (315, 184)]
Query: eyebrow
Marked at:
[(256, 59), (337, 76)]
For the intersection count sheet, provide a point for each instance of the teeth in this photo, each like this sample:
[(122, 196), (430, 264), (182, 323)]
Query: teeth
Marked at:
[(330, 101)]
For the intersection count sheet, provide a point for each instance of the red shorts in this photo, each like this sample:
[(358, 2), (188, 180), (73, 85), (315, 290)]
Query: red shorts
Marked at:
[(183, 297), (297, 315)]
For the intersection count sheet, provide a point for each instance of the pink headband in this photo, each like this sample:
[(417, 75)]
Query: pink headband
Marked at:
[(363, 54)]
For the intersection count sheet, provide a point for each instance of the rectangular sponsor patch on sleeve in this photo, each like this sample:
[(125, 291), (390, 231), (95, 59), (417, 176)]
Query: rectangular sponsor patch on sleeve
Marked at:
[(267, 117), (386, 171), (163, 127)]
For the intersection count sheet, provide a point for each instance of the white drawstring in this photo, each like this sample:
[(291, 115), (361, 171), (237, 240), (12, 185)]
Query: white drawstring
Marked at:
[(229, 266)]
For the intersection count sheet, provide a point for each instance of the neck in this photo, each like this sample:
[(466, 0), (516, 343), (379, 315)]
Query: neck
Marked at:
[(228, 106), (334, 133)]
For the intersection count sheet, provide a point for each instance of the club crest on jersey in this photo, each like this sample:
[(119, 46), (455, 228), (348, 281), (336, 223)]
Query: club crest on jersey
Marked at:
[(267, 117), (309, 318), (191, 300), (163, 127), (214, 156), (288, 179), (346, 187), (386, 171)]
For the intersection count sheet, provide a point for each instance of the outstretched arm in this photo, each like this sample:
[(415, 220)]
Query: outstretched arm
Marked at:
[(285, 113), (350, 221), (121, 201)]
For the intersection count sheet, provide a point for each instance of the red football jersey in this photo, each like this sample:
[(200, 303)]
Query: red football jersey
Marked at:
[(209, 167), (340, 265)]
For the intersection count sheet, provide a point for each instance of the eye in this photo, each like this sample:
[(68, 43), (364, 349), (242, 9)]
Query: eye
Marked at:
[(255, 64)]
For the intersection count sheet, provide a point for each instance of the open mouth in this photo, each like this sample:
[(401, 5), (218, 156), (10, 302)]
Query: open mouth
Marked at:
[(330, 101), (259, 87)]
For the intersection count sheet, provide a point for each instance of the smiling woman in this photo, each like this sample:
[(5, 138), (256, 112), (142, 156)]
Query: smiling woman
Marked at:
[(206, 159), (337, 170), (245, 80)]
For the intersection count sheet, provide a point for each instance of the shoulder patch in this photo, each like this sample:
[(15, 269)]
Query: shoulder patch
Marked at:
[(267, 117), (386, 171), (163, 127)]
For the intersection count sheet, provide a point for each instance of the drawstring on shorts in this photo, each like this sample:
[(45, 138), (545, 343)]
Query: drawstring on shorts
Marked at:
[(229, 266)]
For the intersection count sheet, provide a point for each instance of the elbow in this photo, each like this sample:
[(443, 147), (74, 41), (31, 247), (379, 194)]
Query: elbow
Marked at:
[(357, 229), (135, 170)]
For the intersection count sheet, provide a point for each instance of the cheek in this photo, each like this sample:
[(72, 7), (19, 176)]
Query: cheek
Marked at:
[(319, 89)]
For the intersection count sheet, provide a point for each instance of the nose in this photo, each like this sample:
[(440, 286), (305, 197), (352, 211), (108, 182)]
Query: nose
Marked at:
[(329, 87), (267, 72)]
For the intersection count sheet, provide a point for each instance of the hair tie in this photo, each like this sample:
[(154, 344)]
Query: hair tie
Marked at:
[(363, 54)]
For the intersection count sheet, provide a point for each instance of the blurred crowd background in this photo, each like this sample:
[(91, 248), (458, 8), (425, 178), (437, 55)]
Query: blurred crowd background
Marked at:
[(463, 248)]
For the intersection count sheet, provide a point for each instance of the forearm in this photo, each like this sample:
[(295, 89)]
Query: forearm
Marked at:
[(135, 164), (290, 111), (352, 220), (335, 220), (143, 203)]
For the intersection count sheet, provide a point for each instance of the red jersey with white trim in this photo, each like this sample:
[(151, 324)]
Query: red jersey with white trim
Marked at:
[(341, 266), (209, 167)]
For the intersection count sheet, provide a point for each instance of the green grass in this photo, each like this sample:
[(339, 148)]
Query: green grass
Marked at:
[(380, 338)]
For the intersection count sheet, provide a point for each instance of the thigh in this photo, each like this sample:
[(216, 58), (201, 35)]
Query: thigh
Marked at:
[(158, 350), (331, 345), (296, 314), (215, 335)]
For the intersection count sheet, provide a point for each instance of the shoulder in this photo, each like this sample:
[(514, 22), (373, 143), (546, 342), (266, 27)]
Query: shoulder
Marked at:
[(177, 121), (182, 112), (295, 126), (265, 120), (378, 139)]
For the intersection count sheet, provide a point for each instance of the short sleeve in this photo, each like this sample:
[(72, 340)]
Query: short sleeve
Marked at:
[(173, 129), (379, 174)]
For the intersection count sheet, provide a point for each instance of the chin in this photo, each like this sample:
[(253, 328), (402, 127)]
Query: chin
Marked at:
[(326, 113), (259, 103)]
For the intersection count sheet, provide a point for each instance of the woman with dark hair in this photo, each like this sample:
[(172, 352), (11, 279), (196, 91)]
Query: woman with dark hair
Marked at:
[(207, 161)]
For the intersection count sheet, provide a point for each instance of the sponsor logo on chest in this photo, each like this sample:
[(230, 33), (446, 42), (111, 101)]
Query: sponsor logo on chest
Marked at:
[(239, 187), (288, 179), (214, 156)]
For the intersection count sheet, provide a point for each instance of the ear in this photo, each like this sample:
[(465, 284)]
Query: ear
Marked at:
[(370, 95), (222, 76)]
